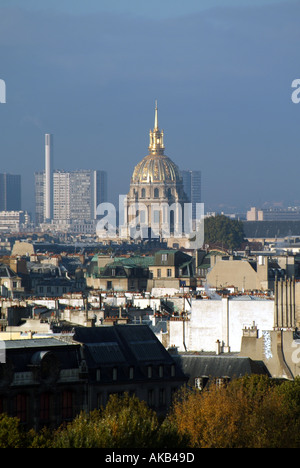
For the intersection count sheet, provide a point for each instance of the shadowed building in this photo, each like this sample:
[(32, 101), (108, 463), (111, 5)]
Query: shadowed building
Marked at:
[(48, 381), (10, 192)]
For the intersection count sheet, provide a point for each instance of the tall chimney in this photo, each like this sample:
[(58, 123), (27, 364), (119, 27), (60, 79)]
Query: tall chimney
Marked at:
[(48, 177)]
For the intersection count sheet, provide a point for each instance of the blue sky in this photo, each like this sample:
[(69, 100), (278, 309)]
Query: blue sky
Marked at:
[(89, 72), (151, 9)]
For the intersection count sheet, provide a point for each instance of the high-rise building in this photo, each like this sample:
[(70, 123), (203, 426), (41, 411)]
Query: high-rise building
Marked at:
[(77, 194), (192, 188), (39, 197), (10, 192), (67, 197), (61, 197)]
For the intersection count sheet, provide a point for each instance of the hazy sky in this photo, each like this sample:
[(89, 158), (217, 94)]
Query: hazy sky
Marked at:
[(89, 72)]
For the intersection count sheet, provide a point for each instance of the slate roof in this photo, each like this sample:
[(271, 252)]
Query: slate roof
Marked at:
[(271, 229), (6, 272), (23, 353), (217, 366), (120, 344)]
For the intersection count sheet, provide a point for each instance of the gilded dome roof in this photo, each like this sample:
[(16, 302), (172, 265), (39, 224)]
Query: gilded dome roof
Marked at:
[(156, 168)]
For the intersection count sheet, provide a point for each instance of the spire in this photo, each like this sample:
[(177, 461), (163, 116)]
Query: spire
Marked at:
[(156, 136), (156, 117)]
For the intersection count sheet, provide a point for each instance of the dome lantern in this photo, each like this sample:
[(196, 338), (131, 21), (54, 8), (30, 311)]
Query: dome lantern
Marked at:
[(156, 145)]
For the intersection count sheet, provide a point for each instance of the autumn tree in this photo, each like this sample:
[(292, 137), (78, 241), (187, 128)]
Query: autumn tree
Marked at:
[(125, 422), (11, 433), (251, 412)]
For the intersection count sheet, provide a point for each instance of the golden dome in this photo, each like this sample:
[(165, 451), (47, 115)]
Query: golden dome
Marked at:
[(156, 168)]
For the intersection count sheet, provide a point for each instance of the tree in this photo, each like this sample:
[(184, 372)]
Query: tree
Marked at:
[(126, 422), (223, 231), (11, 434), (250, 412)]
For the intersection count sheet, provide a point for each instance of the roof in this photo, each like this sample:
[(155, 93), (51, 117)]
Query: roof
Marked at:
[(36, 343), (135, 261), (174, 257), (271, 229), (23, 353), (232, 366), (6, 272), (120, 344), (156, 168)]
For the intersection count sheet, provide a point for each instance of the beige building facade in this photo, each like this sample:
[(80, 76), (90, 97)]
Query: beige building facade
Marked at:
[(242, 273)]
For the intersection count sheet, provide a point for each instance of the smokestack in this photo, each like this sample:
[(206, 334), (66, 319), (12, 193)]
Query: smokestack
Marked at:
[(48, 177)]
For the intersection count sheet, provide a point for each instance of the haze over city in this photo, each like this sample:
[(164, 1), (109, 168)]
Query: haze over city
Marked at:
[(90, 72)]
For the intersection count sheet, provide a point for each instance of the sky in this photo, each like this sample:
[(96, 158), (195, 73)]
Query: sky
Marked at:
[(89, 72)]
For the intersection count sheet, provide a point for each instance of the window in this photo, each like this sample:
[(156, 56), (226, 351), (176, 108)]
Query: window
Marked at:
[(173, 370), (161, 371), (199, 383), (115, 373), (131, 373), (151, 398), (45, 407), (169, 272), (158, 272), (98, 375), (143, 193), (149, 372), (156, 215), (222, 381), (21, 407), (156, 193), (162, 397), (67, 405), (143, 216), (109, 285), (164, 257)]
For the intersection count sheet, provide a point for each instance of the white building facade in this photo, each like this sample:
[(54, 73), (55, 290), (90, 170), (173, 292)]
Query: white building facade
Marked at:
[(217, 325)]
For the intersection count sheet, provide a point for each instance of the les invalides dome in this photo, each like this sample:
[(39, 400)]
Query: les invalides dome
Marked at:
[(155, 182), (156, 167)]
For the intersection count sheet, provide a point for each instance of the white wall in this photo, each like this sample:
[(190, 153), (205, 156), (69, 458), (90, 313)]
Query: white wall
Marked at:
[(224, 320)]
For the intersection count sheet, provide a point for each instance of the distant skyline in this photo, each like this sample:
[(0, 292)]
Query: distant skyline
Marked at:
[(89, 73)]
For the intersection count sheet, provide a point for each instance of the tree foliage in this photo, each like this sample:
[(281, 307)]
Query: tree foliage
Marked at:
[(11, 434), (249, 412), (126, 422), (223, 231)]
